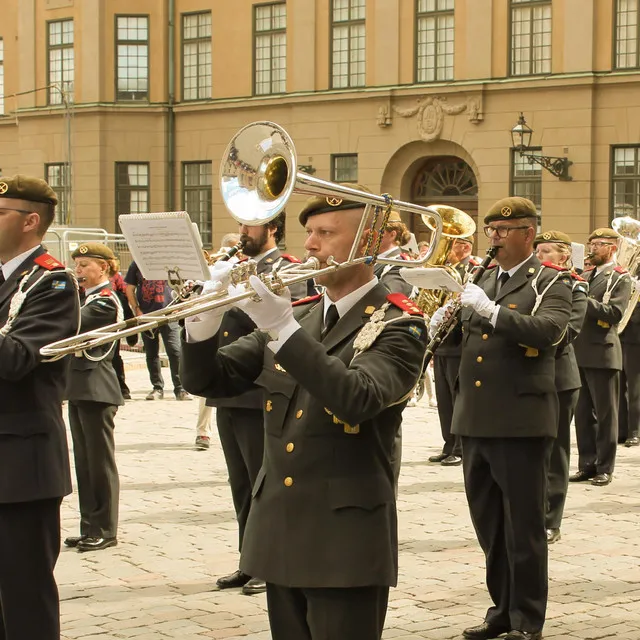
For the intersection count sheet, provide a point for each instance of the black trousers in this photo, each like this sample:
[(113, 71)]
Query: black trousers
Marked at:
[(597, 420), (29, 549), (94, 452), (242, 437), (445, 372), (505, 481), (629, 407), (558, 474), (327, 614)]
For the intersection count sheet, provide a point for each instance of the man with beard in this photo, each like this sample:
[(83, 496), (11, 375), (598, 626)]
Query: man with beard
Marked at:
[(599, 358), (446, 363), (239, 419), (506, 414), (322, 529)]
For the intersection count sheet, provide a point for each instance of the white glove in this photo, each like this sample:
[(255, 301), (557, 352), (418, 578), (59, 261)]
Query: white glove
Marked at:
[(436, 320), (219, 276), (272, 313), (475, 297)]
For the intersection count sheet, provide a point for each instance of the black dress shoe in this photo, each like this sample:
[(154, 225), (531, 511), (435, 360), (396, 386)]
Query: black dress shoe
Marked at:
[(255, 585), (484, 631), (233, 581), (553, 535), (72, 541), (632, 442), (96, 544), (601, 480), (452, 461), (523, 635), (582, 476), (439, 458)]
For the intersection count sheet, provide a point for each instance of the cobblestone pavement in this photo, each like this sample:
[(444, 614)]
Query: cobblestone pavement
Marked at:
[(177, 534)]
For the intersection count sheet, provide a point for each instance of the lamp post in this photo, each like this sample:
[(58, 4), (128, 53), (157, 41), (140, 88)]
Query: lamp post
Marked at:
[(521, 141)]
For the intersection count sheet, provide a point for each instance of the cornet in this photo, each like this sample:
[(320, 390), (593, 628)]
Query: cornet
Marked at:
[(258, 175)]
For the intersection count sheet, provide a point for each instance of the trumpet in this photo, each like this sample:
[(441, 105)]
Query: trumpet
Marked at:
[(258, 176)]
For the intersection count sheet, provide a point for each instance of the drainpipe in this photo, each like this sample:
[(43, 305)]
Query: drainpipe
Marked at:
[(171, 121)]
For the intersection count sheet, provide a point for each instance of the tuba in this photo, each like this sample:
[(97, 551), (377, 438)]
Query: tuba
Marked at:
[(628, 257), (455, 224)]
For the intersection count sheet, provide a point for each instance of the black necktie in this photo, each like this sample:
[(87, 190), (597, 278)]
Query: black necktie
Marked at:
[(504, 276), (592, 275), (332, 316), (2, 279)]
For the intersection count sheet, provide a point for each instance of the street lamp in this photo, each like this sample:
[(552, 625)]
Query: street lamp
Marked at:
[(521, 141)]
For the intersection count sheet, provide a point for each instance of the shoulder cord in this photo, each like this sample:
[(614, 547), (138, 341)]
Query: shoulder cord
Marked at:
[(540, 296), (611, 287), (119, 318), (21, 295)]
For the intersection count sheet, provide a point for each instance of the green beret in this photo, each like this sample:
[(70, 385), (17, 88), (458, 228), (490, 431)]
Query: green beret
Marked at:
[(604, 232), (552, 236), (93, 250), (511, 208), (326, 204), (21, 187)]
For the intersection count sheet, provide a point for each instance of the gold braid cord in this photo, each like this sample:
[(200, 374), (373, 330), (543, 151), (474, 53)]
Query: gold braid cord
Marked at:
[(385, 218)]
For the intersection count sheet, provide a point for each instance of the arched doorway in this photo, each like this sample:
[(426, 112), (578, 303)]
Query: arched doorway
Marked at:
[(444, 180)]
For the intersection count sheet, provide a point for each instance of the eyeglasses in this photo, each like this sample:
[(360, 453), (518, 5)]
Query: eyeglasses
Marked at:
[(18, 210), (598, 245), (502, 232)]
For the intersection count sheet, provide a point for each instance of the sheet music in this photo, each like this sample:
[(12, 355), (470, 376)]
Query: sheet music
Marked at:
[(577, 255), (430, 278), (163, 242)]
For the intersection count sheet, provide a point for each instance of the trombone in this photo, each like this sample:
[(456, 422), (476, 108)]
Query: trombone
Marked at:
[(258, 176)]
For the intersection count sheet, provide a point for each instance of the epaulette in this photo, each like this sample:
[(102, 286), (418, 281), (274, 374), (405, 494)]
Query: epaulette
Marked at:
[(620, 270), (402, 302), (557, 267), (577, 276), (306, 300), (107, 293), (289, 257), (48, 262)]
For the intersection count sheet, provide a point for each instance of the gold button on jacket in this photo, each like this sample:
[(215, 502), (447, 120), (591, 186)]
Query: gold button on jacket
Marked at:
[(288, 481), (290, 447)]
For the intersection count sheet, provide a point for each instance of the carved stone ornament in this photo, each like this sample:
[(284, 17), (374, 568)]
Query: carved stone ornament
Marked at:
[(431, 110)]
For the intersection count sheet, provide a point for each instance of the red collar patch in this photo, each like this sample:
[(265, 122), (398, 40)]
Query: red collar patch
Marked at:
[(402, 302), (289, 257), (106, 292), (577, 276), (557, 267), (48, 262), (620, 270), (306, 300)]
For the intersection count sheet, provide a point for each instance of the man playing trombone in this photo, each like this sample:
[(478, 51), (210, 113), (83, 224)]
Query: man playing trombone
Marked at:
[(322, 530)]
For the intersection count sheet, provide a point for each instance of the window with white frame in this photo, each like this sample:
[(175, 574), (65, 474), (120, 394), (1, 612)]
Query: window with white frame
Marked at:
[(197, 196), (348, 44), (132, 188), (270, 48), (196, 56), (434, 45), (344, 167), (530, 37), (58, 176), (1, 76), (61, 64), (526, 178), (627, 35), (625, 181), (132, 58)]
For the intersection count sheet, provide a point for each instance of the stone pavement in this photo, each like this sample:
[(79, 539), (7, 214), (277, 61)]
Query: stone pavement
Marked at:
[(177, 534)]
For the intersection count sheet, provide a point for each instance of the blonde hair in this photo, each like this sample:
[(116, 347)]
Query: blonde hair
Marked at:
[(402, 233)]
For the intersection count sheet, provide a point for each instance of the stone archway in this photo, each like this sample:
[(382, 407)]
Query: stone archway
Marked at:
[(438, 172), (444, 180)]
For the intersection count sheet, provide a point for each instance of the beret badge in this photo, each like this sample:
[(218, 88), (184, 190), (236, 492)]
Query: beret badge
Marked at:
[(4, 187), (505, 212), (546, 236), (332, 201), (83, 249)]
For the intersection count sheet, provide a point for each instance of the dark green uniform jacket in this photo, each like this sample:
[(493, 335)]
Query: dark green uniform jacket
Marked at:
[(507, 373), (323, 512)]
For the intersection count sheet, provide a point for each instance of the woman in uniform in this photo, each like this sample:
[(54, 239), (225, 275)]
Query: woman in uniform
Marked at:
[(94, 395)]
